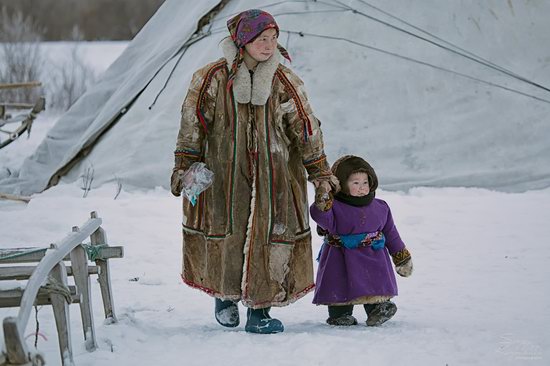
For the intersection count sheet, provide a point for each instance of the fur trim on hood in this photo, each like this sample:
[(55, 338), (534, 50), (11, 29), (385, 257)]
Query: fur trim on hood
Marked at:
[(255, 91)]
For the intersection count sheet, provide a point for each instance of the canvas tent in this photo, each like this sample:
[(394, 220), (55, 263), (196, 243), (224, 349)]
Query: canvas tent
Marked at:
[(377, 78)]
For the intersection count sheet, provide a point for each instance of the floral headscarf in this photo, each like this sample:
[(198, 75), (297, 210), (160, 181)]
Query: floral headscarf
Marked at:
[(243, 29)]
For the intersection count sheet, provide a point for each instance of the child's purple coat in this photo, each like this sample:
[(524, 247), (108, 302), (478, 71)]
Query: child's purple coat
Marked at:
[(347, 274)]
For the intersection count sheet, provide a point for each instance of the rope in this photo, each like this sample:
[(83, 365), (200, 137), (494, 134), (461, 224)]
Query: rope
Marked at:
[(93, 251), (478, 59), (21, 254), (344, 8), (182, 51), (55, 287), (270, 5), (302, 34), (211, 31), (37, 326), (436, 37)]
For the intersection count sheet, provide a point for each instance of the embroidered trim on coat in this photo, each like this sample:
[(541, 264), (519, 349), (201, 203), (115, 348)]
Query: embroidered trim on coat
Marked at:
[(299, 106), (203, 91), (187, 152), (401, 257)]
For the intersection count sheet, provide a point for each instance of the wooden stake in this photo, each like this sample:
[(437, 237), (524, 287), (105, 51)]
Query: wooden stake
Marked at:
[(99, 237), (79, 262), (62, 318)]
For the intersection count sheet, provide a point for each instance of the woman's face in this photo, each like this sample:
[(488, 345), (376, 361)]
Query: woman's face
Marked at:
[(358, 184), (263, 47)]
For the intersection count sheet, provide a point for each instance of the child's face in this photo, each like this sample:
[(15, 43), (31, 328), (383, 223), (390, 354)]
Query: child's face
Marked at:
[(358, 184)]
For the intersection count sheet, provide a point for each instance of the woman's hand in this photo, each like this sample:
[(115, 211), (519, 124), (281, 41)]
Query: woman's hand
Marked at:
[(323, 195), (176, 185)]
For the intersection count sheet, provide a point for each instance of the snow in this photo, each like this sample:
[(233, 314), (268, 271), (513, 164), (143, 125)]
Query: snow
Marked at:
[(479, 293)]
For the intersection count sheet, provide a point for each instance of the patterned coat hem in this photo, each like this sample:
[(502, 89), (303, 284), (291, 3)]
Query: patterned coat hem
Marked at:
[(359, 301), (296, 297), (209, 291), (249, 303)]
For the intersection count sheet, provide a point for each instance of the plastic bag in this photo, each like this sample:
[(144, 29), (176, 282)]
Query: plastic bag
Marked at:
[(196, 180)]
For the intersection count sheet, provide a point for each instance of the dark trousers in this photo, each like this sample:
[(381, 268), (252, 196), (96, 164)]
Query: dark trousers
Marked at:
[(341, 310)]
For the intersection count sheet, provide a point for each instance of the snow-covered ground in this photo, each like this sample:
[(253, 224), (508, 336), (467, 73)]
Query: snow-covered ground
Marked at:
[(479, 294)]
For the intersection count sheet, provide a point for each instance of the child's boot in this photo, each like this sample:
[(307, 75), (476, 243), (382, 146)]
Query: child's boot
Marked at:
[(341, 315), (259, 321), (378, 314), (227, 313)]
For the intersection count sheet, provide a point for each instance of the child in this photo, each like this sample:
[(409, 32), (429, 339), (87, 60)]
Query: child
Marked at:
[(354, 265)]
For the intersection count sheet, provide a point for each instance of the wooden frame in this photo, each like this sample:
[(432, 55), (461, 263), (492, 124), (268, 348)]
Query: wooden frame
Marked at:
[(23, 121), (52, 269)]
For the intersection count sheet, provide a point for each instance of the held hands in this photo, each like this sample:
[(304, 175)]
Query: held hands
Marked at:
[(324, 190), (406, 269), (323, 196)]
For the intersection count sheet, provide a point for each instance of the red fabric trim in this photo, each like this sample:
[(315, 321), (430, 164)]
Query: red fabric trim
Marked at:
[(199, 287), (316, 161), (299, 106), (202, 91)]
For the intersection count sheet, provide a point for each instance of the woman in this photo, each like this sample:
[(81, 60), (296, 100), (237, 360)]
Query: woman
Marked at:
[(246, 116)]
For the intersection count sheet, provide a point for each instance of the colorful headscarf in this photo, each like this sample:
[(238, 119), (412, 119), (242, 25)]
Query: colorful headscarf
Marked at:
[(243, 29)]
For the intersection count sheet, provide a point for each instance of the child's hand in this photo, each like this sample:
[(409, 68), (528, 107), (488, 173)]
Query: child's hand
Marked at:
[(406, 269)]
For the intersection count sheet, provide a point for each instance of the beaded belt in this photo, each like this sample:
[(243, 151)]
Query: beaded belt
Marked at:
[(335, 241)]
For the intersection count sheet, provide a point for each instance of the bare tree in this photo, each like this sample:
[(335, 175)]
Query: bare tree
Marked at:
[(20, 56), (71, 78)]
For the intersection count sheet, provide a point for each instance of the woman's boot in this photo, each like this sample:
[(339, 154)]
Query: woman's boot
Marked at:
[(259, 321), (227, 313)]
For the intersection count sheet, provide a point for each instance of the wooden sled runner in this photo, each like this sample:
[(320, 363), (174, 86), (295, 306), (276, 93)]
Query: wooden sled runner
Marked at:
[(48, 285)]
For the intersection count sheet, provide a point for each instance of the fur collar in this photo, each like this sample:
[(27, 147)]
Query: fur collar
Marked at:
[(255, 91)]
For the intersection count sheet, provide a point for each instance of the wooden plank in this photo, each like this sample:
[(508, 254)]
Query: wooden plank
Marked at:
[(62, 317), (30, 84), (16, 348), (104, 253), (82, 281), (16, 105), (13, 197), (99, 237), (24, 272), (12, 298)]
